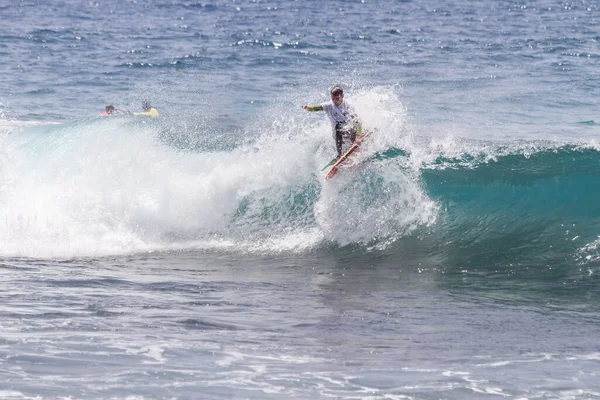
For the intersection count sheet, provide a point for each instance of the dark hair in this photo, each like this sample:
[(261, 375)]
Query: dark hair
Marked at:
[(337, 90), (109, 108), (146, 105)]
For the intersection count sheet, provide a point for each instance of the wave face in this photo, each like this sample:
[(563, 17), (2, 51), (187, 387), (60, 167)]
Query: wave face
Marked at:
[(102, 187), (530, 207)]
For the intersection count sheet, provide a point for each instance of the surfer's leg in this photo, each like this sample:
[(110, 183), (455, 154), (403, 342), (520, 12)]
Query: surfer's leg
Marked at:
[(353, 135), (338, 143), (339, 138)]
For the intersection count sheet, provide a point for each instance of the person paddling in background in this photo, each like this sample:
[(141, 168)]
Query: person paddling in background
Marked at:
[(149, 111), (344, 121), (108, 110), (112, 110)]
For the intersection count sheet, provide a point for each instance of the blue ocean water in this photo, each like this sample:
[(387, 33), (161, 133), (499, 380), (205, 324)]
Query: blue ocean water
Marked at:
[(201, 255)]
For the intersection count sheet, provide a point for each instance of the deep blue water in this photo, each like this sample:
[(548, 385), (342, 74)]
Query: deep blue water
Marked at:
[(202, 254)]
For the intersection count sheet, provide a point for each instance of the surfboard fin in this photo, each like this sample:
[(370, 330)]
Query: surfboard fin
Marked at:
[(329, 164)]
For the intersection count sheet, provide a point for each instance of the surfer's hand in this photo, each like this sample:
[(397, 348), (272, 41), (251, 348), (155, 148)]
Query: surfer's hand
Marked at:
[(304, 107)]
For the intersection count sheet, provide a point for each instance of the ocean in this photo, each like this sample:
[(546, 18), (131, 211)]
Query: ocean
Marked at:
[(202, 254)]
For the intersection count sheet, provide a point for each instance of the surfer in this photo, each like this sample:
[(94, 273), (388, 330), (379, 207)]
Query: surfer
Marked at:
[(112, 110), (344, 121), (149, 111)]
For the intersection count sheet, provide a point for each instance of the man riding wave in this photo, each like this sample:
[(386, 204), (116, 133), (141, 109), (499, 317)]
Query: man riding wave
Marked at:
[(344, 121)]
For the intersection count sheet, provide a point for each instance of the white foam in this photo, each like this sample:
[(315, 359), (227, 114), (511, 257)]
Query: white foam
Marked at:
[(113, 186), (11, 394)]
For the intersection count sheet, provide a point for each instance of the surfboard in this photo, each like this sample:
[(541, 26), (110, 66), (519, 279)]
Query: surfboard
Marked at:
[(344, 157), (329, 164)]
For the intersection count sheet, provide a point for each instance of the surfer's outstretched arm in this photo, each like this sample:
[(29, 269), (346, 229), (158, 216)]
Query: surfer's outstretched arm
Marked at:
[(312, 108)]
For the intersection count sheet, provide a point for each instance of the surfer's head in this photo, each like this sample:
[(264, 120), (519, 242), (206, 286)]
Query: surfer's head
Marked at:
[(146, 105), (337, 95), (109, 108)]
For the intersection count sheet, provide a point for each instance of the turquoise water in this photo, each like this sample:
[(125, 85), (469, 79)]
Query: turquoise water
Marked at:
[(203, 255)]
